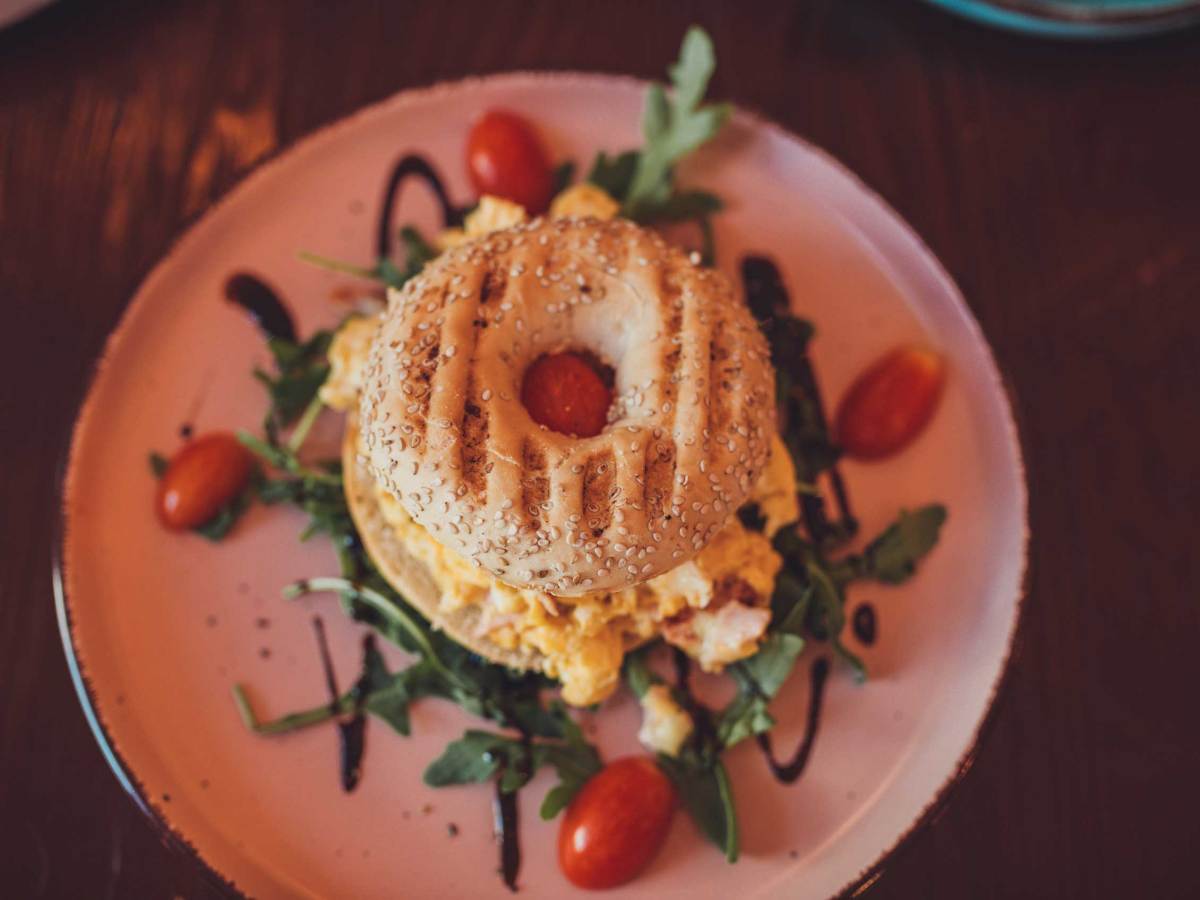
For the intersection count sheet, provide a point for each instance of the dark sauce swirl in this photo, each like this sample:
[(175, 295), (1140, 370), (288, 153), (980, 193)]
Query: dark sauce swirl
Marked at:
[(506, 824), (352, 731), (865, 624), (787, 772), (262, 305), (409, 166), (767, 297)]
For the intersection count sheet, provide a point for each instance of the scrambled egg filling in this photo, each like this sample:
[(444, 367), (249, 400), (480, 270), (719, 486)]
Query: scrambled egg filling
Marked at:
[(714, 606), (665, 724)]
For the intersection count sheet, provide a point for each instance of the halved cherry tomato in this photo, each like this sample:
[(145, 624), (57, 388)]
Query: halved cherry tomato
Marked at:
[(202, 477), (564, 392), (505, 159), (616, 823), (888, 404)]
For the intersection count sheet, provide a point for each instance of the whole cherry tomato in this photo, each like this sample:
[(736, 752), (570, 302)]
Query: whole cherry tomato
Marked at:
[(616, 823), (202, 477), (888, 404), (564, 392), (505, 159)]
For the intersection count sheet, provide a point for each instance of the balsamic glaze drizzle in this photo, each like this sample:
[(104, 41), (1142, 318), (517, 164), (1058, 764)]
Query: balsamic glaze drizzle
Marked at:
[(412, 165), (262, 305), (865, 624), (787, 772), (505, 824), (351, 731), (765, 291), (505, 818)]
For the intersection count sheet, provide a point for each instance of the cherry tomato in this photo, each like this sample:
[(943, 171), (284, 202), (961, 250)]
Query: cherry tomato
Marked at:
[(202, 477), (564, 392), (505, 159), (616, 824), (888, 404)]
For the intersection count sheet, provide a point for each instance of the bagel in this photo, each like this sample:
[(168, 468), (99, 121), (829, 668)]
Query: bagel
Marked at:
[(402, 567), (441, 426), (581, 641)]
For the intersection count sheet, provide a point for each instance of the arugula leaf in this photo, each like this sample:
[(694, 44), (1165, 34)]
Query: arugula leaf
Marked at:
[(417, 252), (614, 174), (771, 665), (301, 370), (684, 206), (561, 178), (219, 526), (637, 673), (745, 716), (708, 799), (480, 756), (575, 763), (475, 757), (674, 126), (158, 464), (759, 679), (790, 602), (893, 556)]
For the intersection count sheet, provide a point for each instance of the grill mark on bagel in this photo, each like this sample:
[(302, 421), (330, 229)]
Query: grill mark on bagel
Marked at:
[(535, 485), (599, 484), (659, 480), (495, 283), (474, 443), (500, 310), (659, 475), (719, 414)]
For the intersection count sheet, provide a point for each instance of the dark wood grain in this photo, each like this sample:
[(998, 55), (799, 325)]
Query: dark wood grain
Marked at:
[(1060, 184)]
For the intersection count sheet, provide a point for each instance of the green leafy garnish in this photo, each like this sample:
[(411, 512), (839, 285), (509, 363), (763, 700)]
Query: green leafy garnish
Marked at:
[(300, 370), (219, 526), (708, 798), (673, 126), (893, 556), (697, 771), (158, 464), (614, 174), (561, 178), (417, 252), (480, 756)]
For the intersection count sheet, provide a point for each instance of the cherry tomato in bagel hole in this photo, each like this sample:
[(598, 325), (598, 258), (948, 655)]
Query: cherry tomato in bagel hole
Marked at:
[(616, 824), (202, 477), (566, 393), (506, 159), (889, 404)]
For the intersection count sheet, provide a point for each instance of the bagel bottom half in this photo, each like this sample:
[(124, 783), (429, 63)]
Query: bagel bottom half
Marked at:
[(409, 575), (424, 585)]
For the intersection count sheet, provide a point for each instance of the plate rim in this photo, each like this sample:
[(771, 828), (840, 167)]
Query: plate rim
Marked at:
[(311, 141)]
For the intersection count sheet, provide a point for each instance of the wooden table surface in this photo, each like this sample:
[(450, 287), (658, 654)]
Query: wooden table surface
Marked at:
[(1059, 184)]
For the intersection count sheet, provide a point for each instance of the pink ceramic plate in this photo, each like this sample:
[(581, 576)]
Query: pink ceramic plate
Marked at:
[(159, 627)]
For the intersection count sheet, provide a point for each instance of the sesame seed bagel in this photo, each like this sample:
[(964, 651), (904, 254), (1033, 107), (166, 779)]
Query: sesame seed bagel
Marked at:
[(408, 575), (689, 431)]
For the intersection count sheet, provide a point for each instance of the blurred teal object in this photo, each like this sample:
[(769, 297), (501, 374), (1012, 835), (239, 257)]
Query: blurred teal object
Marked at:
[(1086, 19)]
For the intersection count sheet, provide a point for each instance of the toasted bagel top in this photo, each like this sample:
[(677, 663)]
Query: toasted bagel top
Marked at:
[(689, 431)]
